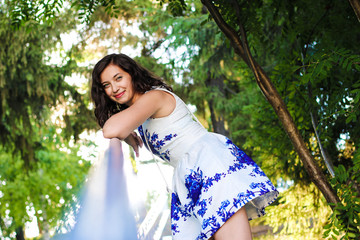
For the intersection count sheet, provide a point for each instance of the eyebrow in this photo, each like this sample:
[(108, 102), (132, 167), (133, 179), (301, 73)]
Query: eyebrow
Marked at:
[(116, 75), (102, 82)]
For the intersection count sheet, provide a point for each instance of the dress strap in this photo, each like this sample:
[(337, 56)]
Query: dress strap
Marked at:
[(168, 188)]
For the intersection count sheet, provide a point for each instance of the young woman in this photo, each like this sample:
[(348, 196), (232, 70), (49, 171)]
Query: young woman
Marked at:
[(216, 187)]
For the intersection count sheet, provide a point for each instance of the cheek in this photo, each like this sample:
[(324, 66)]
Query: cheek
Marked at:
[(108, 91)]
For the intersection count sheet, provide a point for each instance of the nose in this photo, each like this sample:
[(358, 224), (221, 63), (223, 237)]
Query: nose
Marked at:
[(114, 88)]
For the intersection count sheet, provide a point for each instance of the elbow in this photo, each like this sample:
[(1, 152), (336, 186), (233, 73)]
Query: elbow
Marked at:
[(107, 134), (110, 133)]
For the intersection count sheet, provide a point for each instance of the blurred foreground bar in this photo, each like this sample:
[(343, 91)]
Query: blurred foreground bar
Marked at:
[(105, 212)]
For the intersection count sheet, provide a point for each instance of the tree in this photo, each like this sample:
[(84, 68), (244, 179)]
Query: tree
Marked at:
[(35, 173), (232, 19), (48, 189), (355, 4), (51, 197), (314, 87), (306, 65), (240, 43), (312, 58)]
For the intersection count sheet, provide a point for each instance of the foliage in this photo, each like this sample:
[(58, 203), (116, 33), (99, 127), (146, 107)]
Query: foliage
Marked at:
[(314, 69), (345, 220), (24, 11), (47, 190), (40, 169), (309, 50), (299, 213), (303, 55), (28, 82)]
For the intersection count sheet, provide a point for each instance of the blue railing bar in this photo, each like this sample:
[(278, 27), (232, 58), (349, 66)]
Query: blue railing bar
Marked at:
[(106, 212)]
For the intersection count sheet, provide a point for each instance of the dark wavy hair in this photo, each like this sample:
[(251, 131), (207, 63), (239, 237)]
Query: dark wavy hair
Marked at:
[(142, 80)]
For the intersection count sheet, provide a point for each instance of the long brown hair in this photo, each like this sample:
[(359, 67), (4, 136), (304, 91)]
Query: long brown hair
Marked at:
[(142, 80)]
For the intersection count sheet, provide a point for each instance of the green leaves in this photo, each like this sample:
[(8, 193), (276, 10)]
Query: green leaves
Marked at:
[(345, 220), (86, 8), (175, 7), (39, 171), (24, 11), (45, 187), (40, 11), (310, 53), (299, 213)]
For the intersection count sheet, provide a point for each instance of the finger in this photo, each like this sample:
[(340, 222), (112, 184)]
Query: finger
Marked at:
[(140, 141), (136, 150), (137, 139)]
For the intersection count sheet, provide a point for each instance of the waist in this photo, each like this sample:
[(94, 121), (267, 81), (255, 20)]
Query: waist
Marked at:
[(183, 143)]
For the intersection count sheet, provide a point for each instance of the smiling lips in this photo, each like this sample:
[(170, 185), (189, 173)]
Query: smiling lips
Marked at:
[(119, 95)]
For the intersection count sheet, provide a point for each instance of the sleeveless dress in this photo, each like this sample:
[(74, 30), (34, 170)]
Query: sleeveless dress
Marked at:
[(212, 178)]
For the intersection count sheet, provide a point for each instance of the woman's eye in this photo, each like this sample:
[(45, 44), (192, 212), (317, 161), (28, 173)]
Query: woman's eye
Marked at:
[(106, 85), (118, 78)]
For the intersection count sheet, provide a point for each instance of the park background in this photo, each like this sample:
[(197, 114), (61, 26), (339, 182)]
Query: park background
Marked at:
[(280, 78)]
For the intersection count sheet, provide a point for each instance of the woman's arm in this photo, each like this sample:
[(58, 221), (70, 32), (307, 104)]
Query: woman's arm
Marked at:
[(151, 104)]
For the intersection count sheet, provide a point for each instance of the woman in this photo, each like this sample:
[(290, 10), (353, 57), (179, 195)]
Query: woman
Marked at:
[(216, 187)]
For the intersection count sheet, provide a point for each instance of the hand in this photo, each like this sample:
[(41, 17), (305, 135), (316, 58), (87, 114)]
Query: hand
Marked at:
[(135, 141)]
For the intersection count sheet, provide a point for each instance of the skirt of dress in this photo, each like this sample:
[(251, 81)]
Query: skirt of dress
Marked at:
[(212, 182)]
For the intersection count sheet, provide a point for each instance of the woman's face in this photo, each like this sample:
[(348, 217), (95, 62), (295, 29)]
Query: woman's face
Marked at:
[(118, 85)]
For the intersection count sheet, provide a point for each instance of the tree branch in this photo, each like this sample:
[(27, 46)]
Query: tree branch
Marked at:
[(241, 47), (355, 4), (324, 153), (229, 32), (250, 59)]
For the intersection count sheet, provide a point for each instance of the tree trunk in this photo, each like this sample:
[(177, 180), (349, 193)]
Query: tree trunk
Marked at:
[(20, 233), (241, 48), (218, 123), (355, 4), (217, 120)]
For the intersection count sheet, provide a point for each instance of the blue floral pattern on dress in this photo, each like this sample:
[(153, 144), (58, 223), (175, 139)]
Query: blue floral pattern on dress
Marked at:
[(206, 165), (196, 183), (156, 143), (193, 183)]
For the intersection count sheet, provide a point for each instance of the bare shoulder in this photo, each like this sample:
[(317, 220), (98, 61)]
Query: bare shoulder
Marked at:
[(164, 100), (159, 93)]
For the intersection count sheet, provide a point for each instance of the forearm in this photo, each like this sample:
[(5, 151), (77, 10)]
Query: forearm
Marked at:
[(118, 127)]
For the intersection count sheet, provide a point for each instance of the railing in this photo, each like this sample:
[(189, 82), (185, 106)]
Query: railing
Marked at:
[(105, 211)]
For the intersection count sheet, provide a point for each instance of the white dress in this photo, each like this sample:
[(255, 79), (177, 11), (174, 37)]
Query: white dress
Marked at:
[(212, 179)]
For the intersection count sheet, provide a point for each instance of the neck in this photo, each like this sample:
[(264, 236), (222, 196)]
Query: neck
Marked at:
[(134, 99)]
